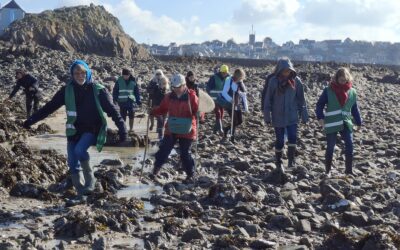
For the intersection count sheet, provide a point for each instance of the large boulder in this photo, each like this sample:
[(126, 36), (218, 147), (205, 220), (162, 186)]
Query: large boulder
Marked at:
[(85, 29)]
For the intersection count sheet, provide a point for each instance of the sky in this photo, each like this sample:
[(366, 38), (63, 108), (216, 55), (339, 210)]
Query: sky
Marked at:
[(196, 21)]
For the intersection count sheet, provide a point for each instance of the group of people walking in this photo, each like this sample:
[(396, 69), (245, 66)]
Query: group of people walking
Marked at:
[(177, 112)]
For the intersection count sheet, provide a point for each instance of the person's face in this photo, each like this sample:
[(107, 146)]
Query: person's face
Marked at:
[(126, 77), (79, 76), (286, 73), (224, 74), (342, 80), (158, 76), (191, 78), (18, 76), (179, 90)]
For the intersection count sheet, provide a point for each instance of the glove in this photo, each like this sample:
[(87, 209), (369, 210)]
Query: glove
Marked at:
[(122, 137), (27, 124)]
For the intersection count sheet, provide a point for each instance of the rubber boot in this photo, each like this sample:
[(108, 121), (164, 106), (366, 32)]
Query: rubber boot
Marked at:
[(219, 127), (291, 156), (90, 179), (349, 165), (131, 124), (151, 123), (77, 183), (278, 161), (155, 172)]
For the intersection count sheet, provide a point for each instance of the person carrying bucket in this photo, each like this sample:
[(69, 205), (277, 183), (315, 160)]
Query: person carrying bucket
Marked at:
[(181, 105)]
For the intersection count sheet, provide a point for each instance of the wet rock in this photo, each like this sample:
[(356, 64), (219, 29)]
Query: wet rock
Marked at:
[(112, 162), (242, 165), (359, 219), (74, 224), (31, 191), (99, 244), (192, 234)]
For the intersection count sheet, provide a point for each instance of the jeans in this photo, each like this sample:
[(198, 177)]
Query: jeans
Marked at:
[(167, 144), (347, 137), (291, 132), (77, 151), (29, 100)]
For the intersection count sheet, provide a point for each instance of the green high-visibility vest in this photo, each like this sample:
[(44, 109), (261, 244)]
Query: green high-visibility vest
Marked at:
[(219, 86), (126, 90), (70, 107), (337, 116)]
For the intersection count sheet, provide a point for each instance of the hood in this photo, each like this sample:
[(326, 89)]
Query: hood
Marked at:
[(155, 74), (84, 64), (284, 63)]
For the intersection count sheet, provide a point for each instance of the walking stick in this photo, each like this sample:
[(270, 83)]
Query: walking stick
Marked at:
[(233, 112), (146, 143)]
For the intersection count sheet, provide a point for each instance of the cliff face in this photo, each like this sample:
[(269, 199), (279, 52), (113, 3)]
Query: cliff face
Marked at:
[(85, 29)]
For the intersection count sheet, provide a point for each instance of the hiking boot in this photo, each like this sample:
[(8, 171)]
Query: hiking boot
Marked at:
[(278, 161), (90, 179), (291, 156), (349, 165)]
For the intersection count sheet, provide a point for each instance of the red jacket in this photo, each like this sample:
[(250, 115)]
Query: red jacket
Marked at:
[(179, 107)]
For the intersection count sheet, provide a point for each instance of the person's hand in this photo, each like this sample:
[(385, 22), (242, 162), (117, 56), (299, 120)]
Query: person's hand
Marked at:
[(321, 122)]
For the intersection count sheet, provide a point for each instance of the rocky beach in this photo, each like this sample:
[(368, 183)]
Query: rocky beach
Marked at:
[(237, 200)]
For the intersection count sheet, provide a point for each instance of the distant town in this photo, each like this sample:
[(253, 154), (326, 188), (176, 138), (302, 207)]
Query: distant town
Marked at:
[(347, 51)]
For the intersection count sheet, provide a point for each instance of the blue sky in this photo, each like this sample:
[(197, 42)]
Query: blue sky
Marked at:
[(185, 21)]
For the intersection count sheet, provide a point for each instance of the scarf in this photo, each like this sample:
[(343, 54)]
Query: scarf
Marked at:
[(285, 82), (341, 91)]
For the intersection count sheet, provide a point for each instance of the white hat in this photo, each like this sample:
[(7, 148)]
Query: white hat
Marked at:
[(177, 80)]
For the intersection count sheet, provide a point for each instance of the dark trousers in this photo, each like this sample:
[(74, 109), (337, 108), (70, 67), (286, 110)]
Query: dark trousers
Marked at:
[(237, 120), (160, 126), (31, 99), (347, 137), (167, 144), (127, 111), (280, 136), (219, 112)]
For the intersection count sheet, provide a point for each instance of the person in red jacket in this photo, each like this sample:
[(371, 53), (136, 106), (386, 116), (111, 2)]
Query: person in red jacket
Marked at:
[(181, 105)]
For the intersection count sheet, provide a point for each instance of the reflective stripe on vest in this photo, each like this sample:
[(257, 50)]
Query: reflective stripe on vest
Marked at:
[(337, 116), (126, 90), (70, 106)]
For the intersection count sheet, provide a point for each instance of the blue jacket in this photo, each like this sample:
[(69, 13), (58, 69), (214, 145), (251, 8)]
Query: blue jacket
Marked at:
[(323, 100), (284, 108)]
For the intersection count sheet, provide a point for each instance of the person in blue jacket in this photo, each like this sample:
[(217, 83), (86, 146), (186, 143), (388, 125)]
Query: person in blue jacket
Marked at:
[(340, 99), (126, 94), (284, 105), (86, 103)]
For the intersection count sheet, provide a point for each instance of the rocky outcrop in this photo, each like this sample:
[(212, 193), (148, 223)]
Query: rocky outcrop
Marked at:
[(86, 29)]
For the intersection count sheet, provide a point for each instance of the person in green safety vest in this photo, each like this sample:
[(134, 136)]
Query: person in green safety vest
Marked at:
[(340, 99), (127, 95), (86, 103), (214, 88)]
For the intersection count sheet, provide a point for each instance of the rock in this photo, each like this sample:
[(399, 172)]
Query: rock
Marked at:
[(252, 229), (262, 243), (241, 232), (301, 247), (112, 162), (94, 31), (242, 165), (99, 244), (192, 234), (30, 191), (219, 230), (281, 221), (304, 226), (358, 219)]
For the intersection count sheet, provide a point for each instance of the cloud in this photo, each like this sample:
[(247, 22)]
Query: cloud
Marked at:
[(265, 11), (346, 12)]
